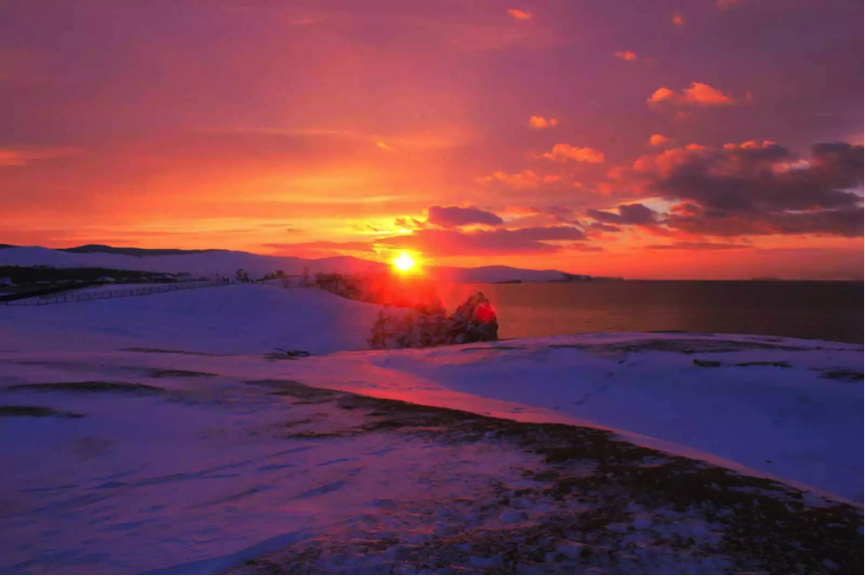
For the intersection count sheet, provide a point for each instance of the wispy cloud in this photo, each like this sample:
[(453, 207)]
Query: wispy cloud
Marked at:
[(455, 216), (696, 95), (539, 122), (520, 180), (626, 215), (564, 152), (699, 246), (524, 179), (626, 55), (25, 155), (519, 14)]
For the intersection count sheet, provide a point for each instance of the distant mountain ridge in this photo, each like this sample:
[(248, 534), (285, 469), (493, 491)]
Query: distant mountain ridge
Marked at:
[(104, 249), (219, 262)]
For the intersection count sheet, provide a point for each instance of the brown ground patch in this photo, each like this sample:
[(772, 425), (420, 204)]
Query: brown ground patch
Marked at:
[(765, 526), (35, 412)]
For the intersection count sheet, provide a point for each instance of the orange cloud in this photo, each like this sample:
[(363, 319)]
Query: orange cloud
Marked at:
[(705, 95), (658, 140), (519, 14), (539, 122), (23, 156), (750, 145), (382, 146), (696, 95), (565, 152), (626, 55), (519, 180), (661, 95)]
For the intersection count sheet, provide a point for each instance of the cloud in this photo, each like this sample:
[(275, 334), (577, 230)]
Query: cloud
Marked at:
[(557, 211), (382, 146), (699, 246), (678, 19), (626, 55), (442, 243), (454, 216), (520, 180), (527, 216), (439, 243), (831, 222), (409, 223), (519, 14), (757, 188), (628, 215), (658, 140), (24, 156), (565, 152), (539, 122), (697, 95), (321, 246), (604, 227)]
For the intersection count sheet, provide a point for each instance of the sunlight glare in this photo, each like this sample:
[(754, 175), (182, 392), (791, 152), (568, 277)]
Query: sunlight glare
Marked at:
[(404, 262)]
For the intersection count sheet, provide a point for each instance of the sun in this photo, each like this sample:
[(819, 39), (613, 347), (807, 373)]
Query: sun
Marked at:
[(404, 262)]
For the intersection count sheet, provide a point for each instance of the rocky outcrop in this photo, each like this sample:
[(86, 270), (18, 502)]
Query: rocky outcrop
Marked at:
[(474, 321)]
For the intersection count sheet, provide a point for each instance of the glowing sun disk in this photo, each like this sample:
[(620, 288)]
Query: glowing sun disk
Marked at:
[(404, 262)]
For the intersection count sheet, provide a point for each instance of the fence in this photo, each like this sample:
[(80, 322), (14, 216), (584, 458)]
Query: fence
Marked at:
[(122, 293)]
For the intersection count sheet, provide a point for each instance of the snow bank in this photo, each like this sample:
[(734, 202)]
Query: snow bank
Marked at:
[(789, 408), (234, 319)]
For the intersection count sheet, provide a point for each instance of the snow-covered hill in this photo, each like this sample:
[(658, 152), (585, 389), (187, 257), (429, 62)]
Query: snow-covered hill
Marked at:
[(232, 319), (786, 407), (205, 263), (227, 262)]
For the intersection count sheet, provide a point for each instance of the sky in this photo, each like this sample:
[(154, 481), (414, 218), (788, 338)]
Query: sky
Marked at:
[(665, 139)]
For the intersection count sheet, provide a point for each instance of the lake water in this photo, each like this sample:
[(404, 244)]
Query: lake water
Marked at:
[(824, 310)]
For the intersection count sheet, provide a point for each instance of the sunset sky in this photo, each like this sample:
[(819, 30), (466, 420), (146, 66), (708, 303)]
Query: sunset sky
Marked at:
[(686, 139)]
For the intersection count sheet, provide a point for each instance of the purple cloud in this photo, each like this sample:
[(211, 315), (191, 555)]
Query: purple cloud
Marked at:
[(454, 216)]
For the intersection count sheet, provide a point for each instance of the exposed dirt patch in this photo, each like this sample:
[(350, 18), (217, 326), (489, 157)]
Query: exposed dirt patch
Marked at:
[(491, 348), (174, 373), (842, 375), (608, 500), (775, 364), (90, 387), (691, 346), (295, 389), (168, 351), (682, 346), (36, 412)]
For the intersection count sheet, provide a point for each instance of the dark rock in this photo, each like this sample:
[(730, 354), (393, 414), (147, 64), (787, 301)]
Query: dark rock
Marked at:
[(474, 321)]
